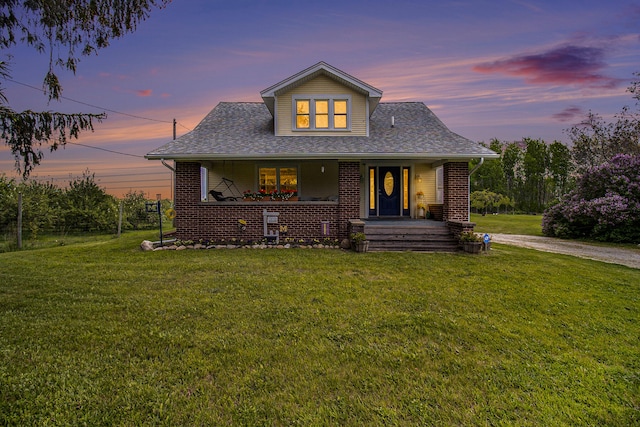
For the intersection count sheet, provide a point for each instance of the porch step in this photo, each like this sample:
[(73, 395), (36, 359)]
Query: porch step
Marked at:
[(410, 237)]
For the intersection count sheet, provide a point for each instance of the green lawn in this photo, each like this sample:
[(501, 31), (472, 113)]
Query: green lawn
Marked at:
[(508, 224), (104, 334)]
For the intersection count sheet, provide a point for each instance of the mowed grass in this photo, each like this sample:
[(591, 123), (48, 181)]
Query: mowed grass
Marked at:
[(530, 225), (104, 334)]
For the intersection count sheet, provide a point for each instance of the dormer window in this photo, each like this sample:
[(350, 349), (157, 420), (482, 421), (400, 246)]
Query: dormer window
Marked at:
[(322, 112)]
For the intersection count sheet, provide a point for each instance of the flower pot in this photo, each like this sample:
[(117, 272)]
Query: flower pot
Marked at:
[(472, 247), (362, 246)]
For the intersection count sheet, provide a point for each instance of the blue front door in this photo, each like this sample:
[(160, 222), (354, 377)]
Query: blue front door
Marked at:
[(389, 191)]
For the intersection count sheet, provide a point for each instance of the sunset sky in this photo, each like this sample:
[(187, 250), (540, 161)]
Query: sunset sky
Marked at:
[(504, 69)]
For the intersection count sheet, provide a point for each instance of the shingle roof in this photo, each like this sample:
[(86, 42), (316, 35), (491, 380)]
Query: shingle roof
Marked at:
[(244, 130)]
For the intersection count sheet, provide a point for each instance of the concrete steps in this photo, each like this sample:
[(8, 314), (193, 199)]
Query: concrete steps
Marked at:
[(432, 237)]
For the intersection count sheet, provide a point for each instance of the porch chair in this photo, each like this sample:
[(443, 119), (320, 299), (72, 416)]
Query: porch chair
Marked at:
[(220, 198)]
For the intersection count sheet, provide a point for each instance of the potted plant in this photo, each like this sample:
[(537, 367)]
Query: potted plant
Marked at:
[(289, 195), (471, 242), (249, 195), (421, 210), (359, 242)]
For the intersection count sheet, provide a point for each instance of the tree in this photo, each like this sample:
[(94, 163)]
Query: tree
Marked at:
[(66, 30), (512, 165), (87, 207), (491, 174), (605, 205), (485, 200), (595, 141), (559, 168), (535, 162)]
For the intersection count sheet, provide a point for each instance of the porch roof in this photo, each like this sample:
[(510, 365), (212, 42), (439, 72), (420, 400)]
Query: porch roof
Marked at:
[(244, 130)]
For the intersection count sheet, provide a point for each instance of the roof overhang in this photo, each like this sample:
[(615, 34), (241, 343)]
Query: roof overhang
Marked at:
[(315, 156), (321, 68)]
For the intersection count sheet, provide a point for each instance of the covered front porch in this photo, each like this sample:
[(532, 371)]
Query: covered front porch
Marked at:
[(327, 207)]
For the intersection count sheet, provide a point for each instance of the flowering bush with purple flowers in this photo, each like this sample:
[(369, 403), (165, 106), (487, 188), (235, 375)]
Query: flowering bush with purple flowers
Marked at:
[(605, 204)]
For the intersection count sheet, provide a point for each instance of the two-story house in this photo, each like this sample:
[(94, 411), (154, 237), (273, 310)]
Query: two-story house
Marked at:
[(323, 136)]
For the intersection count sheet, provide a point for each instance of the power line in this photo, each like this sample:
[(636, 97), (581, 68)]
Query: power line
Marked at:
[(104, 149), (91, 105), (105, 109), (133, 174), (129, 181)]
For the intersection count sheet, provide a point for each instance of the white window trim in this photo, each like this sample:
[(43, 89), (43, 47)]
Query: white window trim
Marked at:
[(439, 184), (204, 183), (312, 113)]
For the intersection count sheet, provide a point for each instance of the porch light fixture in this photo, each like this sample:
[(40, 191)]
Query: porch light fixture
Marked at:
[(322, 168), (418, 178)]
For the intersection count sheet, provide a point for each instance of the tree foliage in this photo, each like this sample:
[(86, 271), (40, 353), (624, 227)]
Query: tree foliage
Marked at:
[(486, 201), (528, 175), (65, 30), (596, 141), (605, 205), (83, 206), (88, 207)]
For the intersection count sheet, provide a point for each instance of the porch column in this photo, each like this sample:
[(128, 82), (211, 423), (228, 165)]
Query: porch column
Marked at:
[(187, 197), (349, 195), (456, 191)]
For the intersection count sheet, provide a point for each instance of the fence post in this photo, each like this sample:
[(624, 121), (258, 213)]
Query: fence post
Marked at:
[(19, 220), (120, 218)]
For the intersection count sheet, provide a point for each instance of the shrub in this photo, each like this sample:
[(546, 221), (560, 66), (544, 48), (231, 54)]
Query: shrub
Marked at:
[(605, 205)]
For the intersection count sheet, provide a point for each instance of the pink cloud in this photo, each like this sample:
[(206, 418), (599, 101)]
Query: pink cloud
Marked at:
[(569, 114), (144, 92), (576, 65)]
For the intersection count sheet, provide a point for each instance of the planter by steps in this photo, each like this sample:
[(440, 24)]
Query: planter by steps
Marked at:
[(472, 247), (362, 246)]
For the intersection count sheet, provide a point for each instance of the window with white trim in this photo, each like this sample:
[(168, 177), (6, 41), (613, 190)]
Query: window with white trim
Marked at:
[(322, 112)]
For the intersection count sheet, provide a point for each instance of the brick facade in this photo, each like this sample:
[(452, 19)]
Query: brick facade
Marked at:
[(349, 195), (456, 191), (216, 221), (456, 197)]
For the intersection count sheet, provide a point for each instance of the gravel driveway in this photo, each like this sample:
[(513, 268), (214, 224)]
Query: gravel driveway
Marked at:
[(628, 257)]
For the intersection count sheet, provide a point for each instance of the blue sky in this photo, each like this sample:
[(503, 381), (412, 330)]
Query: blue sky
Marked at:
[(503, 69)]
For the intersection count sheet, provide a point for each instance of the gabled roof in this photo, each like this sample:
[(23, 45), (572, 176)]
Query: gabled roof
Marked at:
[(244, 130), (321, 68)]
